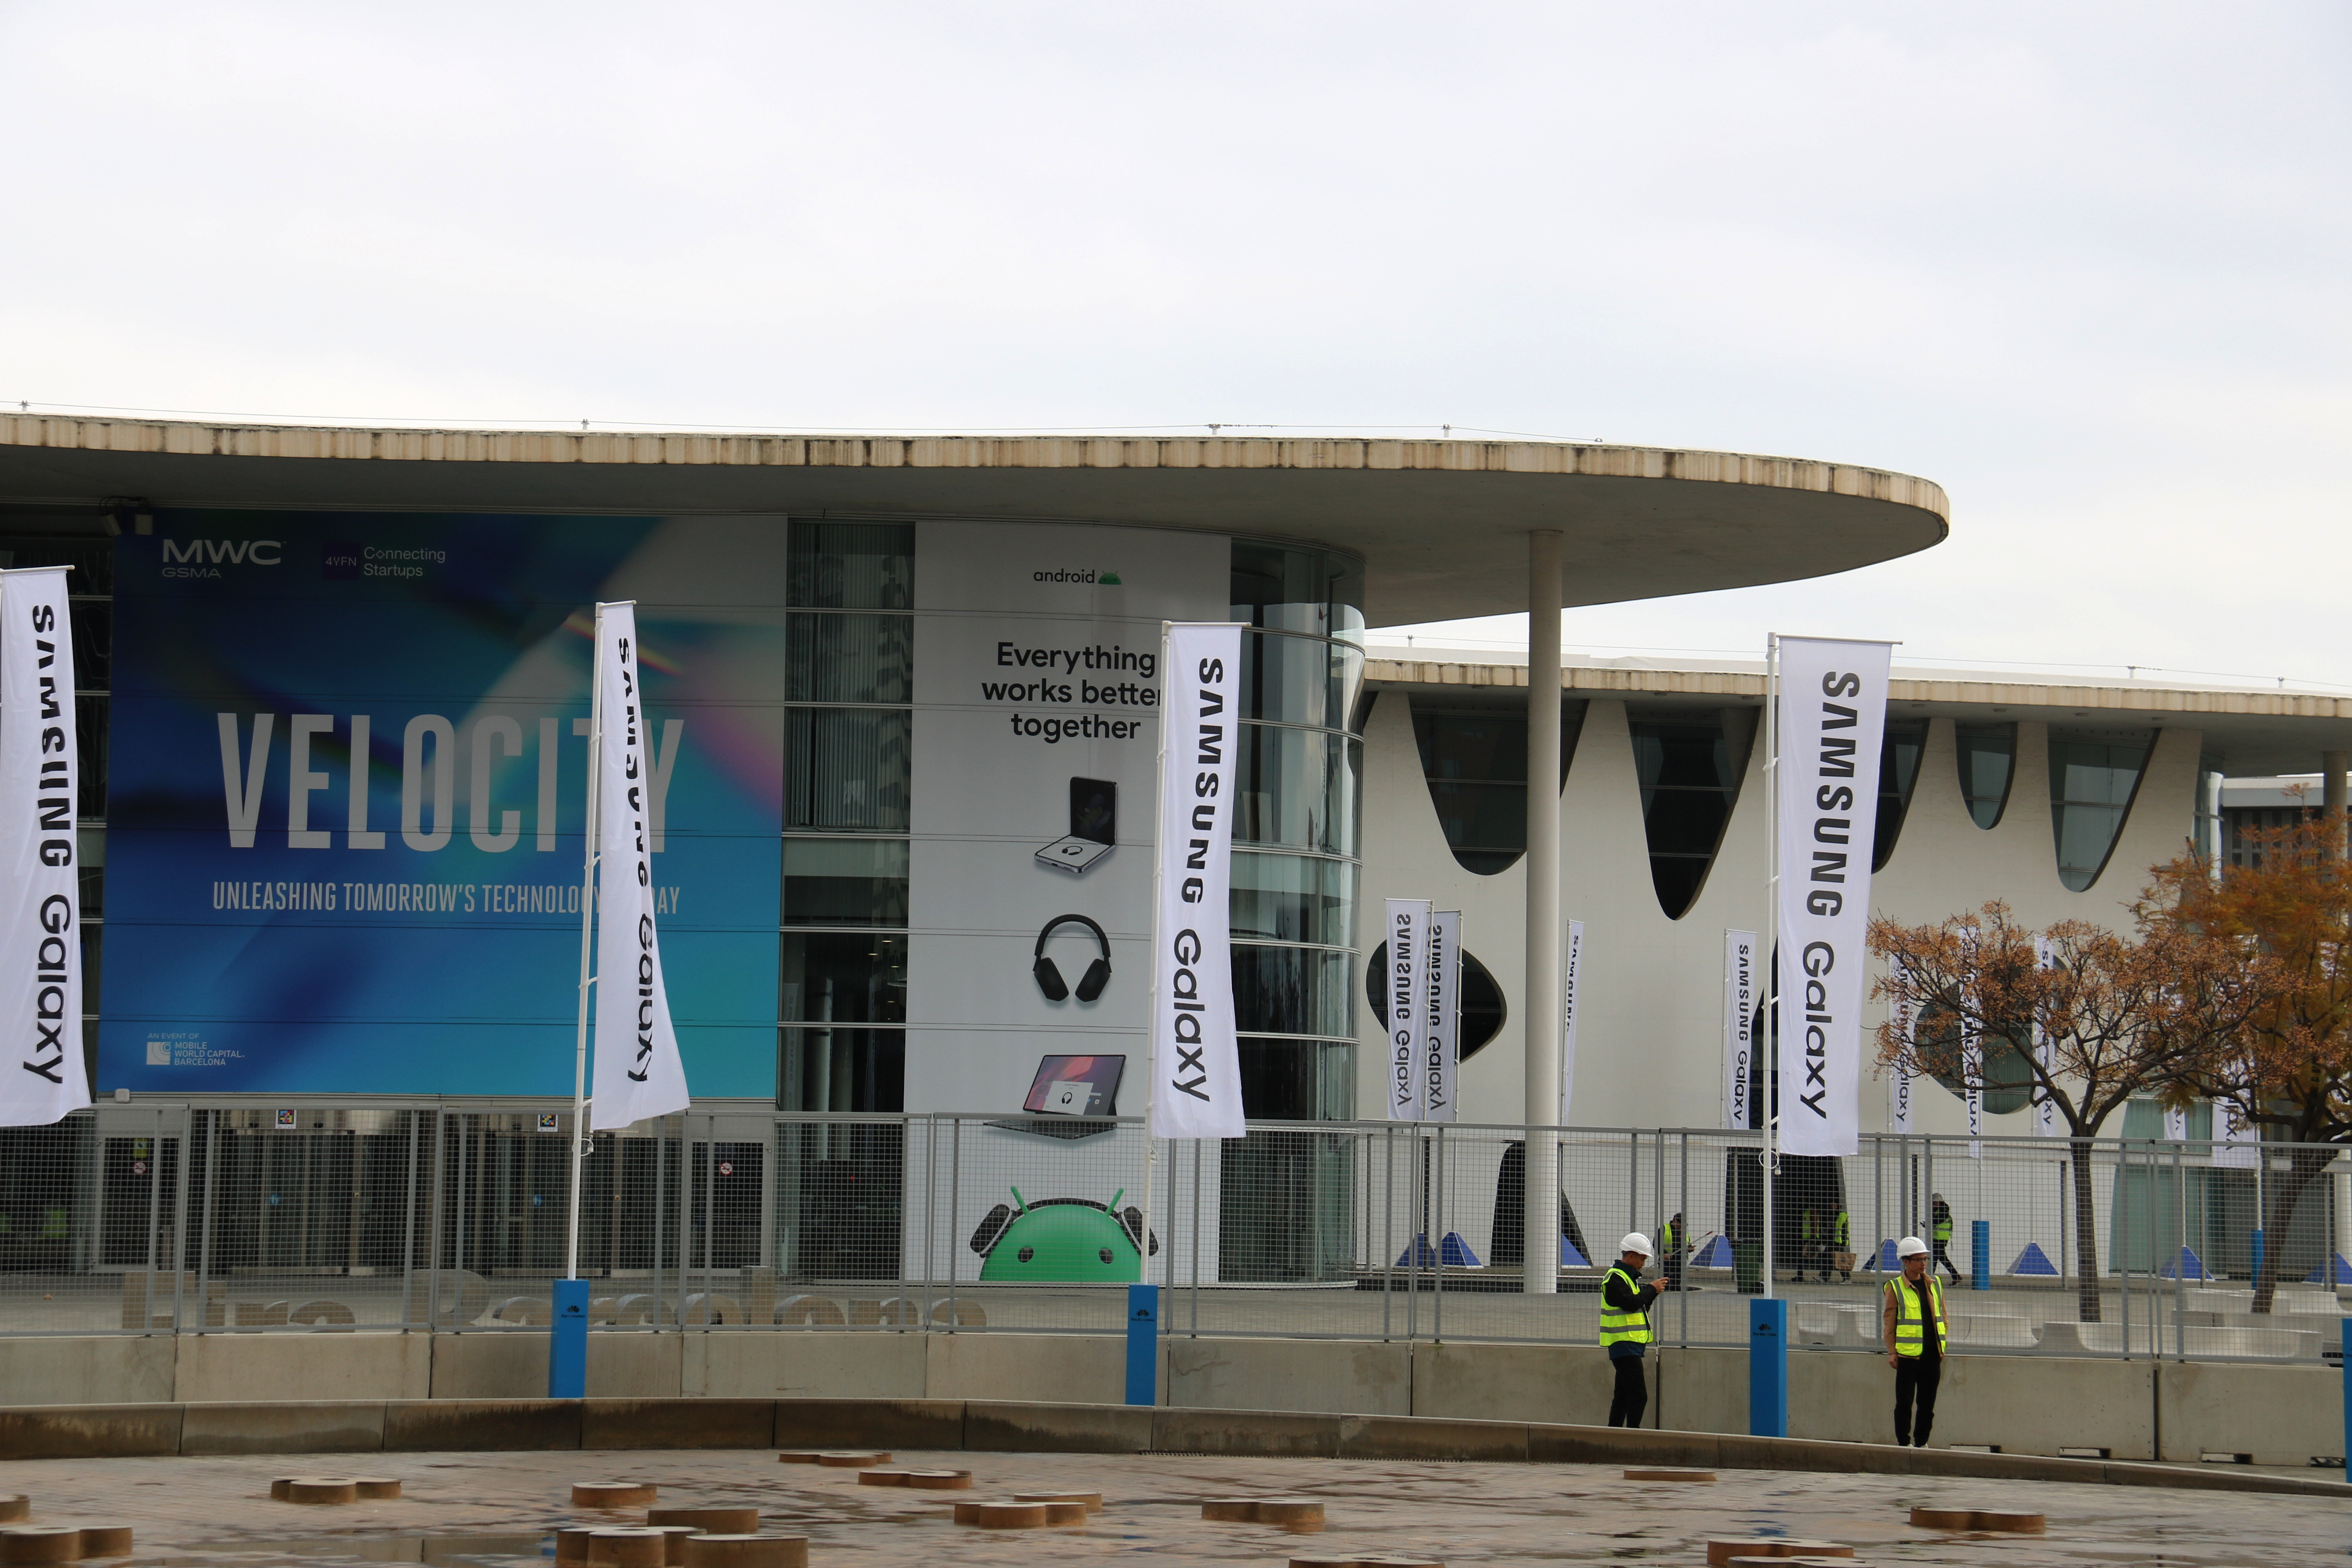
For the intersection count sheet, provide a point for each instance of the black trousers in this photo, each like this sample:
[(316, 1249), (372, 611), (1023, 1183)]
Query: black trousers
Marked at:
[(1945, 1260), (1633, 1395), (1915, 1378)]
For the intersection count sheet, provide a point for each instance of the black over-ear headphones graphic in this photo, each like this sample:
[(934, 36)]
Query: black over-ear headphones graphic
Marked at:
[(1049, 979)]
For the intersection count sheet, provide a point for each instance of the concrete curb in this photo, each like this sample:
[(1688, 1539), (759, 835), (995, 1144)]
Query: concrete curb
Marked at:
[(418, 1426)]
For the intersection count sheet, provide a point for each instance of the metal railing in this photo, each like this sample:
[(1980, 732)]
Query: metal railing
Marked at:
[(448, 1218)]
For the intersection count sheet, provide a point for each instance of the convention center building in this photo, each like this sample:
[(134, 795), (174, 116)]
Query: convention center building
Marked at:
[(902, 701)]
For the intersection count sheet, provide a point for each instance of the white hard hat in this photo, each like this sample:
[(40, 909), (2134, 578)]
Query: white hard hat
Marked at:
[(1910, 1247), (1636, 1242)]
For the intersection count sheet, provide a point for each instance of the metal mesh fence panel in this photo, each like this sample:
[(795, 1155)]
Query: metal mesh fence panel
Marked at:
[(169, 1218)]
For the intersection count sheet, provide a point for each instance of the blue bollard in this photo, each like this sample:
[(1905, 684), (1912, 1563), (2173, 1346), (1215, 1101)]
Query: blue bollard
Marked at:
[(1767, 1368), (2258, 1269), (1979, 1255), (1143, 1345), (567, 1343)]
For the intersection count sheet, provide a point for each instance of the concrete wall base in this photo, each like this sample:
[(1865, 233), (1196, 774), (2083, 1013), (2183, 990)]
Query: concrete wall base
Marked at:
[(2037, 1406)]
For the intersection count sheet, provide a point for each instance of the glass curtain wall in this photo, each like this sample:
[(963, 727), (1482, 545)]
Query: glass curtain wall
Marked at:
[(1474, 760), (1988, 755), (1297, 863), (2092, 780), (848, 686)]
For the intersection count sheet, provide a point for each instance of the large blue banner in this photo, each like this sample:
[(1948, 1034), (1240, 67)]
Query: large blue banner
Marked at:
[(348, 777)]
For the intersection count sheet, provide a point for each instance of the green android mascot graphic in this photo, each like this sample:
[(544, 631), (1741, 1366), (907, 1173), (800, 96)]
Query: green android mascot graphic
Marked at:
[(1062, 1241)]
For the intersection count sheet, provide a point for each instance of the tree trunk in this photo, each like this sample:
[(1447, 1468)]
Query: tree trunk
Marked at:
[(2281, 1196), (2086, 1234)]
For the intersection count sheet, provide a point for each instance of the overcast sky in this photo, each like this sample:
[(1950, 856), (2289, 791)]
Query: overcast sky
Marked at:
[(2085, 266)]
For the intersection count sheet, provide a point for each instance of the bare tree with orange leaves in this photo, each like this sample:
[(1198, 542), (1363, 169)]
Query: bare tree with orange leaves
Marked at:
[(2096, 1018), (2288, 1068)]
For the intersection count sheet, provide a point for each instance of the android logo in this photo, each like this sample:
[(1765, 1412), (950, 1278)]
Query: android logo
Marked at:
[(1065, 1240)]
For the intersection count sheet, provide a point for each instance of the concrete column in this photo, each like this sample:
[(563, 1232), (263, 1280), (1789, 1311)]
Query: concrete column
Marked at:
[(1541, 1025), (2332, 765)]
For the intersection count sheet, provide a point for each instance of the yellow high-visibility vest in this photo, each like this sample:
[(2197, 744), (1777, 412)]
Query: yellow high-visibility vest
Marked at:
[(1631, 1327), (1910, 1328)]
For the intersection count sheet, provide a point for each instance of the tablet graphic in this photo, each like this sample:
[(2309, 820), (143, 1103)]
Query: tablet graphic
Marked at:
[(1094, 821), (1067, 1094)]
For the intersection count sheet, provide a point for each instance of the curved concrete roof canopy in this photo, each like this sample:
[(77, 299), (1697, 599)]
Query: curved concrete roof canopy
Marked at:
[(1441, 524)]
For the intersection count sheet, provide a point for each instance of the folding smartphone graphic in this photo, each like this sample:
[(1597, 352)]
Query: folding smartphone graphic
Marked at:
[(1094, 822)]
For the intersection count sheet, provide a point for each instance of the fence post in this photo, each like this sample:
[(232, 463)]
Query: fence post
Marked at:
[(204, 1236), (955, 1197), (408, 1229), (1437, 1228), (2347, 1360), (1682, 1273), (1767, 1367)]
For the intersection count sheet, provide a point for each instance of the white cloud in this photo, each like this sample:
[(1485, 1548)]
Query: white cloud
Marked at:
[(2084, 265)]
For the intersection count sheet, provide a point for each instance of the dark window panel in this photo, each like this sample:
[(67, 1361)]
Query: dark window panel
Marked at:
[(1291, 991), (845, 881), (1898, 774), (1294, 589), (841, 1069), (1474, 761), (2092, 782), (846, 769), (1291, 898), (1987, 757), (851, 565), (1483, 1006), (847, 977), (849, 659)]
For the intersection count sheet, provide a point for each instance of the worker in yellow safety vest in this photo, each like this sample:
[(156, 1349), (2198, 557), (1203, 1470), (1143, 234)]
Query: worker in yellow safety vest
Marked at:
[(1625, 1327), (1913, 1326)]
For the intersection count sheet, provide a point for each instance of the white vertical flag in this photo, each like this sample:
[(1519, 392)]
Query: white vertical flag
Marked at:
[(1405, 1000), (1568, 962), (2045, 1051), (638, 1073), (1196, 1075), (40, 898), (2237, 1143), (1972, 1079), (1442, 1037), (1898, 1077), (1738, 1024), (2176, 1125), (1831, 720)]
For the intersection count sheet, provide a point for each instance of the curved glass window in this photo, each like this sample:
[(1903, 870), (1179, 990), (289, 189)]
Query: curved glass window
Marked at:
[(1291, 991), (1988, 755), (1302, 680), (1474, 760), (1689, 780), (1294, 897), (2092, 782), (1483, 1006), (1299, 788), (1293, 588), (1898, 770), (2007, 1076)]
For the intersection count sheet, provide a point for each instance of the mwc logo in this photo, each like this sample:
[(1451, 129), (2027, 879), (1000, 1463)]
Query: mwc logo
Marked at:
[(220, 551)]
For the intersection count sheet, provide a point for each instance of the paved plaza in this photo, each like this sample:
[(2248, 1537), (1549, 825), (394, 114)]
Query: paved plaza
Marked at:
[(498, 1508)]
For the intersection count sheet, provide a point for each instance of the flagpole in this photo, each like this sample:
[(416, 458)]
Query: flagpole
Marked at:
[(1152, 1036), (587, 917), (1770, 1050)]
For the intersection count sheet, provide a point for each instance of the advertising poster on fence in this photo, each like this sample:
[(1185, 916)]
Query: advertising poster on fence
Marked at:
[(1404, 999), (1830, 716), (40, 896), (344, 841), (1738, 1024)]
